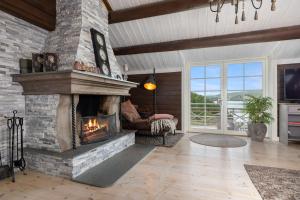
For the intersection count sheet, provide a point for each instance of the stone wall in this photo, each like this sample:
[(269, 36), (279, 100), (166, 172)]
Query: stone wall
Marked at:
[(72, 37), (64, 39), (71, 40), (18, 39), (95, 15), (41, 112)]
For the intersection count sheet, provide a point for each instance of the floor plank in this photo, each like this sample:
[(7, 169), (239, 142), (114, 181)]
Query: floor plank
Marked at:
[(186, 171)]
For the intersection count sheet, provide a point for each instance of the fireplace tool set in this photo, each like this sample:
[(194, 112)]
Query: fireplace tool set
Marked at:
[(16, 150)]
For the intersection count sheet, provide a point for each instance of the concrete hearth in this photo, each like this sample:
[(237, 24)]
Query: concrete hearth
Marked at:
[(72, 163)]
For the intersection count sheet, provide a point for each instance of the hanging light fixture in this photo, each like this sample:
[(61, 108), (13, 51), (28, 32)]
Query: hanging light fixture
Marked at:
[(216, 6), (150, 83)]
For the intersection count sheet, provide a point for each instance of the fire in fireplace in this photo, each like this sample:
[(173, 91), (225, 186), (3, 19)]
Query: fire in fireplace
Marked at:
[(95, 126), (96, 129), (93, 130)]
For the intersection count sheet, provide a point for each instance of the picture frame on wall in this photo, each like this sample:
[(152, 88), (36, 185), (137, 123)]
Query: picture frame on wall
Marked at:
[(50, 62), (37, 62), (100, 51)]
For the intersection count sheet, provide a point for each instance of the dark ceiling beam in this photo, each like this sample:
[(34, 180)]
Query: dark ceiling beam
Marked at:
[(41, 13), (107, 5), (268, 35), (155, 9)]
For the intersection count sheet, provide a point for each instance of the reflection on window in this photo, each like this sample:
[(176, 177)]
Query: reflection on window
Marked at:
[(205, 92), (207, 89), (242, 79)]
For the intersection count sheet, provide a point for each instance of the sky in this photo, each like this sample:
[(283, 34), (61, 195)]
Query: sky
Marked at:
[(239, 77)]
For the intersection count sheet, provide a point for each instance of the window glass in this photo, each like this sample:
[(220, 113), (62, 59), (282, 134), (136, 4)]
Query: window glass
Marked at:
[(253, 69), (235, 70), (197, 72)]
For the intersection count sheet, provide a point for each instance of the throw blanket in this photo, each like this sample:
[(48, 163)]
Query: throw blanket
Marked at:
[(160, 116), (161, 125)]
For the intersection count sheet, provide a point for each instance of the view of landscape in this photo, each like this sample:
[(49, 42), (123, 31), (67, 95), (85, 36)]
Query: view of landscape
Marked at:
[(219, 92)]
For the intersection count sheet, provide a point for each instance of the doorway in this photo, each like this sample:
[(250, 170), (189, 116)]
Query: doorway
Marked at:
[(218, 93)]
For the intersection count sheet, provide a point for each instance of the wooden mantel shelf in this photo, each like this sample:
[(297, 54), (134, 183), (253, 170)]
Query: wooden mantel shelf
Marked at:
[(72, 82)]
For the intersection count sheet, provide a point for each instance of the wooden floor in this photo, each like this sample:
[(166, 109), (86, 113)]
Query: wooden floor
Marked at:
[(187, 171)]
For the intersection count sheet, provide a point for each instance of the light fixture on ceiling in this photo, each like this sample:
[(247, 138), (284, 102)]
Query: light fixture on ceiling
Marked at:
[(216, 6)]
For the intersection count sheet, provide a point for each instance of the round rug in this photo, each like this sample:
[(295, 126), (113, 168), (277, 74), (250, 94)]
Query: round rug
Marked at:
[(214, 140)]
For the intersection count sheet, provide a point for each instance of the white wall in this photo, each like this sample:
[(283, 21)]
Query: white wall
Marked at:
[(273, 63)]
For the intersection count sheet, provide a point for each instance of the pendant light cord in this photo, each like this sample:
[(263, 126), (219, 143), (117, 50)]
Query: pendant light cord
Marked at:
[(253, 4), (211, 8)]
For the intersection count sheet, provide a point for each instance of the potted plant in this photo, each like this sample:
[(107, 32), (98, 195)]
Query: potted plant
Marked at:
[(258, 109)]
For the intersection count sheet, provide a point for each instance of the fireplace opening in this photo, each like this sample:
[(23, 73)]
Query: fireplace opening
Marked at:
[(96, 124)]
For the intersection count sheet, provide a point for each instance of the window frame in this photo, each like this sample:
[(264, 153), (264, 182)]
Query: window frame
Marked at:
[(223, 64)]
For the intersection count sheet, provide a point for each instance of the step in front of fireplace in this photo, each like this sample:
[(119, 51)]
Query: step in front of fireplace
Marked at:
[(109, 171), (72, 163)]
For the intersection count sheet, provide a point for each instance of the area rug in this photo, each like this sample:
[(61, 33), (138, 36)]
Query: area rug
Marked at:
[(214, 140), (275, 183), (109, 171), (171, 140)]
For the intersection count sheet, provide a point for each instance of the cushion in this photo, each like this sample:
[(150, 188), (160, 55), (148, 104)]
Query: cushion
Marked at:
[(129, 111), (161, 116)]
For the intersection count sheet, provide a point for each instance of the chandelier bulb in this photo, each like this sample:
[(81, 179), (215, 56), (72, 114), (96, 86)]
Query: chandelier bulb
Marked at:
[(243, 16), (217, 18), (273, 6), (256, 15), (236, 20), (234, 2)]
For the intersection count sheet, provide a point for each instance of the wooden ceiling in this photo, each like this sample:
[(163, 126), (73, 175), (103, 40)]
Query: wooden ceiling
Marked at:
[(154, 9), (268, 35), (41, 13)]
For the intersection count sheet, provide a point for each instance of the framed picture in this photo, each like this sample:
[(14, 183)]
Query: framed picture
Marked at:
[(37, 62), (25, 66), (50, 62), (100, 51)]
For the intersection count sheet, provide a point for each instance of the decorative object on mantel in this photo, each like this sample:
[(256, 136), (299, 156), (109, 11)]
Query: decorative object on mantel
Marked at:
[(46, 62), (257, 4), (25, 66), (37, 62), (116, 76), (16, 152), (80, 66), (50, 62), (100, 51), (125, 76)]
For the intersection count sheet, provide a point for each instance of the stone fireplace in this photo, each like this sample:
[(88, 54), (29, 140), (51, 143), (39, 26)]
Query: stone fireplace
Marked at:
[(72, 117), (54, 117)]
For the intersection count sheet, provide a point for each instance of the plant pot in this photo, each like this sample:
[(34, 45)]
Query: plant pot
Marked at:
[(250, 129), (258, 132)]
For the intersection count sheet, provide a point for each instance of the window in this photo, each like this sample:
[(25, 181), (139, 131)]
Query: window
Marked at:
[(218, 94)]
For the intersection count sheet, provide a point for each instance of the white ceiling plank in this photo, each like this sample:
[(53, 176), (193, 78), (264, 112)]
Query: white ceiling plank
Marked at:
[(201, 23)]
